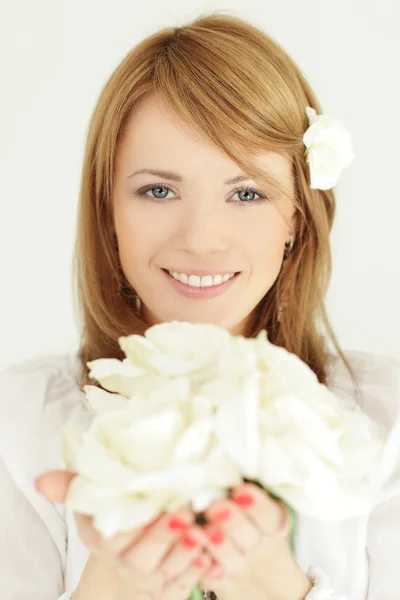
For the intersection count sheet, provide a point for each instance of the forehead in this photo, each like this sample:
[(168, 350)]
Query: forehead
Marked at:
[(155, 137)]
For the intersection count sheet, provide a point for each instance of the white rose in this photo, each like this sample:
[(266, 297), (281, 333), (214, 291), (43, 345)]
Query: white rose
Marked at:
[(195, 411), (143, 456), (166, 350), (289, 432), (176, 348), (329, 149)]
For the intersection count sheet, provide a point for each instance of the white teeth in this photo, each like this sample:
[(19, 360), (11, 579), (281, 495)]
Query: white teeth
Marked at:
[(196, 281), (183, 277)]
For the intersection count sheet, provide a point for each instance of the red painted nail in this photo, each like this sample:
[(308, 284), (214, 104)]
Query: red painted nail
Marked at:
[(198, 562), (217, 537), (222, 515), (176, 523), (243, 499), (188, 541)]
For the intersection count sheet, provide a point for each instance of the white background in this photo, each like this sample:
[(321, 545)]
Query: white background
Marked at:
[(55, 58)]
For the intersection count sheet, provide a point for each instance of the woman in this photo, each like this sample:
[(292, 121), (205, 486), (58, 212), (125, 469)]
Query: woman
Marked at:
[(196, 205)]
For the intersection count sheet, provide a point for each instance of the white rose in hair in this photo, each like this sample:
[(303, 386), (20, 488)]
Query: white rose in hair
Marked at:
[(329, 149)]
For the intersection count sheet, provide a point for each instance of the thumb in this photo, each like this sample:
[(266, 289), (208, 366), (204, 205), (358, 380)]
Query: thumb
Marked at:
[(54, 484)]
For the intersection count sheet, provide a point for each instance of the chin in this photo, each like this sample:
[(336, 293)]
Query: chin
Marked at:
[(192, 317)]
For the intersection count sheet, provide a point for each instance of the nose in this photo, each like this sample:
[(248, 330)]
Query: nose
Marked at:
[(202, 229)]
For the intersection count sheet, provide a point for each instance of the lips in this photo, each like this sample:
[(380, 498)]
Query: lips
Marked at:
[(201, 273), (206, 292)]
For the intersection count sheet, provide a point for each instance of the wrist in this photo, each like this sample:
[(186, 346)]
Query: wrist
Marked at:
[(99, 581), (283, 579)]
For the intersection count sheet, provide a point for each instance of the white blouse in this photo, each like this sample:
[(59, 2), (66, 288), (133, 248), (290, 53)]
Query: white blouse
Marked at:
[(41, 554)]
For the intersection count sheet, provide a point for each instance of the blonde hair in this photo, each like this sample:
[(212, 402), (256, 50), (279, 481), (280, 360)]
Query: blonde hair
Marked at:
[(239, 89)]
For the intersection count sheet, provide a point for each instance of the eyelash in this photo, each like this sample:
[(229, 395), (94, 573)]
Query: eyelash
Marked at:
[(143, 191)]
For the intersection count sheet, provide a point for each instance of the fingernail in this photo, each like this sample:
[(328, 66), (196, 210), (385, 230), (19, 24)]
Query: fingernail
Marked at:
[(198, 562), (243, 499), (188, 541), (176, 523), (216, 537), (222, 515)]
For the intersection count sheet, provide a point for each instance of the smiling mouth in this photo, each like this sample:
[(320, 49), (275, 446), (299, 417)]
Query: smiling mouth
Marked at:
[(225, 277)]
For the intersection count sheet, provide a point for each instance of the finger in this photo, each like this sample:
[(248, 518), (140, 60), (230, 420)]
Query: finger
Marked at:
[(54, 484), (224, 550), (235, 523), (186, 549), (147, 553), (121, 542), (270, 516), (213, 577), (142, 584), (182, 586), (95, 542)]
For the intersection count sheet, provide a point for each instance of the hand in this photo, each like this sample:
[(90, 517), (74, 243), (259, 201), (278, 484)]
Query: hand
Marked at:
[(164, 560), (248, 538)]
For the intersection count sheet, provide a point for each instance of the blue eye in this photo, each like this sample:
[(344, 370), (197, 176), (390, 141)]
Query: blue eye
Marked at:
[(250, 190), (154, 186), (163, 197)]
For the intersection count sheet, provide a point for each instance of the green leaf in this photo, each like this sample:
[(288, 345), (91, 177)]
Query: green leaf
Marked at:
[(196, 594)]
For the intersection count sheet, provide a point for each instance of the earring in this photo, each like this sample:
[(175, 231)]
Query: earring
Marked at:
[(125, 290), (283, 303), (288, 247), (138, 305)]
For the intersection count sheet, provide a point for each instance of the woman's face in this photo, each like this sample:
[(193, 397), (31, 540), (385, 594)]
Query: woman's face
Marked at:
[(194, 224)]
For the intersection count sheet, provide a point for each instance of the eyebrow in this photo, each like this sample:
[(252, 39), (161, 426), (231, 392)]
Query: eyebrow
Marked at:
[(176, 177)]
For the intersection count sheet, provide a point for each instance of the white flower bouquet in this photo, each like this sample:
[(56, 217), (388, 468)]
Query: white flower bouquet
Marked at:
[(192, 411)]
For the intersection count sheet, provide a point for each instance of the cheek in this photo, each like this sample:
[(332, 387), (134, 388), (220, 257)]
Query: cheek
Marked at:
[(266, 247), (140, 236)]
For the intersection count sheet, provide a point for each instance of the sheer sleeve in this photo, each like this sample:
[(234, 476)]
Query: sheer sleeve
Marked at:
[(30, 564), (37, 398), (380, 379), (383, 532), (383, 550)]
